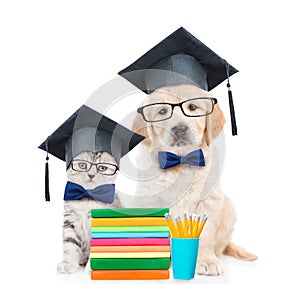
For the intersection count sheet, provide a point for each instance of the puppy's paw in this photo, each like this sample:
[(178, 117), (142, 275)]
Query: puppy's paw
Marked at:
[(67, 267), (209, 266)]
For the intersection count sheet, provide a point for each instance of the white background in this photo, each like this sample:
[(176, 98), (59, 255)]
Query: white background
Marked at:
[(55, 54)]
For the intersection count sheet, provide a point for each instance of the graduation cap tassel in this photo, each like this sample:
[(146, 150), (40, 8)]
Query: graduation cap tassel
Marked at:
[(231, 106), (47, 192)]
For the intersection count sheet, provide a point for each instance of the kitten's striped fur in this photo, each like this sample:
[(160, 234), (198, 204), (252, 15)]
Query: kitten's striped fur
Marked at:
[(76, 227)]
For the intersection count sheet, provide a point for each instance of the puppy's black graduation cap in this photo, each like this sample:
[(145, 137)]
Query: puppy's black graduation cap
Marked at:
[(88, 130), (181, 59)]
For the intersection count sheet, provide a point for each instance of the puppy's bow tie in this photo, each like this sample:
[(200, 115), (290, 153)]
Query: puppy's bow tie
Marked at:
[(168, 159), (104, 193)]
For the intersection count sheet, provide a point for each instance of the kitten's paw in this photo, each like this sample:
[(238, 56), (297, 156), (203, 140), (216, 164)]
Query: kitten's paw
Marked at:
[(209, 266), (67, 267), (87, 268)]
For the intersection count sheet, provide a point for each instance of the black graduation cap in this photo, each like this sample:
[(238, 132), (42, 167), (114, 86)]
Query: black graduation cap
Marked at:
[(181, 59), (88, 130)]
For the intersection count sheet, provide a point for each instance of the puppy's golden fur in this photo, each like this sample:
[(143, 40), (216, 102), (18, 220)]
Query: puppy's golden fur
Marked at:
[(184, 187)]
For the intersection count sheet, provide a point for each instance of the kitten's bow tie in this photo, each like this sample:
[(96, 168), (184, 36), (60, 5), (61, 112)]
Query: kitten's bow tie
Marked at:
[(104, 193), (168, 159)]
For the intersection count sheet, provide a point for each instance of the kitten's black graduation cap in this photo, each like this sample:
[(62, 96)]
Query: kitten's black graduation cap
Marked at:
[(184, 60), (88, 130)]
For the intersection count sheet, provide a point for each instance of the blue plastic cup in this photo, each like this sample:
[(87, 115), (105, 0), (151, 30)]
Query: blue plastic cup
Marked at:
[(184, 252)]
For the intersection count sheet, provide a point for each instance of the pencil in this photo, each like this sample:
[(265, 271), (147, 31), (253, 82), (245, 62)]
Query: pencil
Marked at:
[(202, 224), (185, 225), (171, 225), (196, 226), (194, 222), (194, 217), (190, 226), (179, 226)]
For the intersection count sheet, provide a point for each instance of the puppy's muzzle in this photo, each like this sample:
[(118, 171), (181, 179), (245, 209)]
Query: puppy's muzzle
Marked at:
[(179, 131)]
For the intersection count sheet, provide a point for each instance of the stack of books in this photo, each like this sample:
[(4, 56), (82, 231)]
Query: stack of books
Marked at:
[(129, 243)]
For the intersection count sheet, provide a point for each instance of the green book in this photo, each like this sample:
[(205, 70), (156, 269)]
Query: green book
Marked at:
[(129, 212), (131, 229), (129, 263)]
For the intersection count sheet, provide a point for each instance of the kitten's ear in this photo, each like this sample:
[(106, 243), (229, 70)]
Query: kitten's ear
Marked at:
[(69, 166)]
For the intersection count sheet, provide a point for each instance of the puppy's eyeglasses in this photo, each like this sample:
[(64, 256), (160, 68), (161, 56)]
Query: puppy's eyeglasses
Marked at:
[(195, 107), (102, 168)]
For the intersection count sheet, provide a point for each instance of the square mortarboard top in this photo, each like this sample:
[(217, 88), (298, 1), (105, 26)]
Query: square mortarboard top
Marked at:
[(180, 59), (89, 130)]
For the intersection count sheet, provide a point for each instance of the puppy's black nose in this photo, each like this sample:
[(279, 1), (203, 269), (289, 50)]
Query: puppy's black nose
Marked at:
[(179, 130)]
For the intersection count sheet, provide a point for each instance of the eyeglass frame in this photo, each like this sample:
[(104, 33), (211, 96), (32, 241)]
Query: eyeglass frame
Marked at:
[(140, 110), (95, 164)]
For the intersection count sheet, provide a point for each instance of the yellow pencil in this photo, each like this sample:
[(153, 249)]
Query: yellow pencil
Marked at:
[(193, 220), (190, 226), (196, 225), (179, 226), (185, 225), (201, 226), (171, 225)]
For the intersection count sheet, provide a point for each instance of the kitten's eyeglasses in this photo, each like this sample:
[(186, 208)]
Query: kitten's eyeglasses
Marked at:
[(102, 168), (195, 107)]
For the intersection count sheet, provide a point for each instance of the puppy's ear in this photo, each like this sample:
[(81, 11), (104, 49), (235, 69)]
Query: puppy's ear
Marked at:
[(214, 124), (139, 126)]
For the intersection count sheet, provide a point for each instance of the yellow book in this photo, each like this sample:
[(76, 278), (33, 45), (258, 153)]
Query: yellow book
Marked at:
[(129, 254), (130, 221)]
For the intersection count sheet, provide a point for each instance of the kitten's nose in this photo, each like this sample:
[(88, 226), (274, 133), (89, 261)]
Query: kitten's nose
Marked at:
[(179, 130), (91, 176)]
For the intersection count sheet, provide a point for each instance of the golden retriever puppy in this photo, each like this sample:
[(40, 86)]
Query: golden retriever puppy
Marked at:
[(185, 187)]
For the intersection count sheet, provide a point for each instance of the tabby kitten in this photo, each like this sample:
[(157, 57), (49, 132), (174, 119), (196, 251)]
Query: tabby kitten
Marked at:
[(77, 220)]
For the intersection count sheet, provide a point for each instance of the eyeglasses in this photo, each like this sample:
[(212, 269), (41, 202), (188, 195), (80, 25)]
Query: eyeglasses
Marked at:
[(192, 108), (102, 168)]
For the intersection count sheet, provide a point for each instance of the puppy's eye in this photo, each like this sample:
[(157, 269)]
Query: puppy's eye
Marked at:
[(163, 111), (192, 107)]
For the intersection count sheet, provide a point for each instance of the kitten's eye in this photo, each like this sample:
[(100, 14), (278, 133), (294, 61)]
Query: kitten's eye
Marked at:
[(102, 168), (192, 107), (82, 166), (163, 111)]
